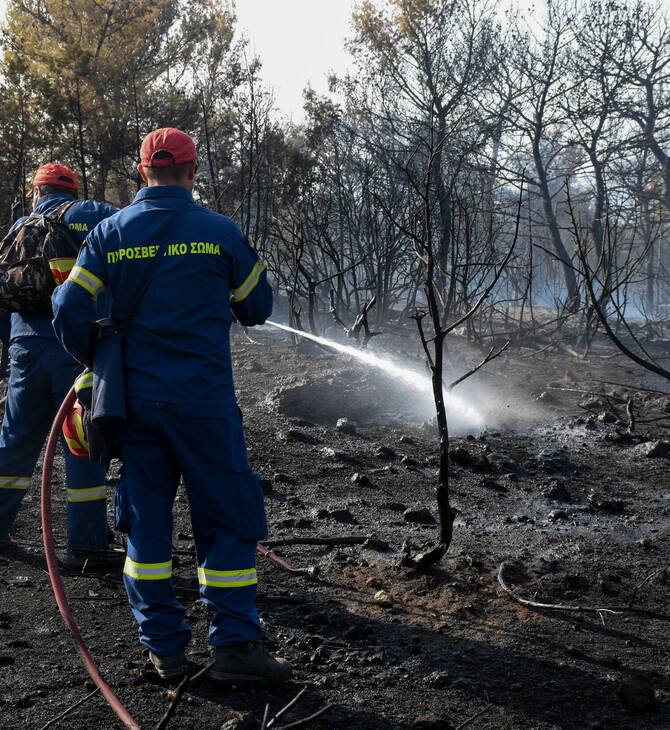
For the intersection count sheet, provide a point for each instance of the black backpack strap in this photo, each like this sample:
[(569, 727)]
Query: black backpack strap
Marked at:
[(56, 216), (59, 211)]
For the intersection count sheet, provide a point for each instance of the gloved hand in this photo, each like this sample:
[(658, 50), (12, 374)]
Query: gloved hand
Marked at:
[(103, 444)]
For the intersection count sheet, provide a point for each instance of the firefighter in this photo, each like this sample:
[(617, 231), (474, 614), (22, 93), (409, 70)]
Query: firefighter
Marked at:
[(182, 415), (41, 374)]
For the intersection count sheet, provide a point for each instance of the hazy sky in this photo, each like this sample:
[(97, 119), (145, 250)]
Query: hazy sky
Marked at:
[(299, 41)]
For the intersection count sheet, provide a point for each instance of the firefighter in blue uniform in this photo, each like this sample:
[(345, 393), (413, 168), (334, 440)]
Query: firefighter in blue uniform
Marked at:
[(41, 374), (182, 415)]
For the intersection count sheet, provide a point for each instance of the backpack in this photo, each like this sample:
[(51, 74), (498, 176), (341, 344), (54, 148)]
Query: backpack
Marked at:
[(34, 257)]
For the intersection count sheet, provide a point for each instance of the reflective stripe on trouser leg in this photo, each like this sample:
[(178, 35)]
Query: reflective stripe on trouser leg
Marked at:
[(225, 499), (87, 495), (156, 610), (232, 593), (149, 486), (21, 483), (227, 578), (86, 502), (12, 491)]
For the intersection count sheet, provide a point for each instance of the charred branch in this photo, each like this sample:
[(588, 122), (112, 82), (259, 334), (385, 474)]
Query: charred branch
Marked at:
[(267, 724), (491, 355), (361, 322), (580, 609), (590, 279), (179, 693)]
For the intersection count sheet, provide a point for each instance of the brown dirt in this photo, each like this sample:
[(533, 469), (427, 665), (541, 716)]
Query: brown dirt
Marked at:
[(555, 487)]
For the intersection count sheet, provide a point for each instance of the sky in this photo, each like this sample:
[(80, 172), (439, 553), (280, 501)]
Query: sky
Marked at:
[(299, 41)]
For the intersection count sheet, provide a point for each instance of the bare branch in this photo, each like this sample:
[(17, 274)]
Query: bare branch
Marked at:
[(579, 609), (491, 355)]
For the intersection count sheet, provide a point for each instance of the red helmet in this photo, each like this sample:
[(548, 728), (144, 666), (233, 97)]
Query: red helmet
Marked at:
[(73, 430)]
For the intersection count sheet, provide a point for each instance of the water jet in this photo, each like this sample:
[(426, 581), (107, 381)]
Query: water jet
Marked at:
[(418, 381)]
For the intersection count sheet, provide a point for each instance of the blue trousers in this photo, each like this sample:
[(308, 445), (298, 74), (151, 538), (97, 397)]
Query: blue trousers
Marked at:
[(160, 443), (41, 374)]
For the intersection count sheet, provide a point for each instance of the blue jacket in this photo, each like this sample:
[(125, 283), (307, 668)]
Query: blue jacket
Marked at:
[(176, 345), (81, 218)]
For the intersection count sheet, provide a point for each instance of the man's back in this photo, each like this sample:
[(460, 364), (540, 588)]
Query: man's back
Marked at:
[(189, 267), (81, 218), (41, 374), (176, 345)]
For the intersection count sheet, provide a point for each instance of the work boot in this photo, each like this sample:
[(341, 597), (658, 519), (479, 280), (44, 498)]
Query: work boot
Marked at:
[(82, 561), (170, 666), (242, 662)]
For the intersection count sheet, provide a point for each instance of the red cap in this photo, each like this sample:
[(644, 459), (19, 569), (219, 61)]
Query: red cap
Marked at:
[(179, 144), (54, 174)]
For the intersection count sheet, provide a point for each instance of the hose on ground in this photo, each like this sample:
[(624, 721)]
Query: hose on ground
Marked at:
[(52, 564)]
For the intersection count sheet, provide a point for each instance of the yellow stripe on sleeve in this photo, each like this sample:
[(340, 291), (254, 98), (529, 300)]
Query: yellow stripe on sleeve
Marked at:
[(90, 282), (250, 282)]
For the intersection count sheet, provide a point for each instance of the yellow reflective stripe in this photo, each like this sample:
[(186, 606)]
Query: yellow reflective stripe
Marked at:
[(87, 495), (91, 283), (60, 268), (251, 281), (227, 578), (79, 426), (73, 444), (85, 380), (62, 265), (148, 571), (14, 482)]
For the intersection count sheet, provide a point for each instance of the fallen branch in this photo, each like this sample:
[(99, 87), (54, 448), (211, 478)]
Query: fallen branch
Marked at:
[(316, 541), (632, 387), (51, 723), (179, 692), (267, 724), (596, 393), (305, 720), (474, 717), (654, 420), (641, 583), (580, 609), (285, 709)]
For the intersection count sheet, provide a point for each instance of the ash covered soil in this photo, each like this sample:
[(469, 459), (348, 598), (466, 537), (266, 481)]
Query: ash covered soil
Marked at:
[(552, 480)]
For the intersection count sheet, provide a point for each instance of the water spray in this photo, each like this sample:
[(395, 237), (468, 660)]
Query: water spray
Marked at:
[(415, 380)]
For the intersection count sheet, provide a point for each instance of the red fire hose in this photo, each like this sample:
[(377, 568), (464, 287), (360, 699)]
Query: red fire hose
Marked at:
[(311, 572), (52, 563)]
